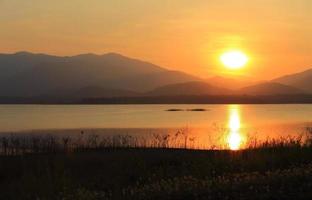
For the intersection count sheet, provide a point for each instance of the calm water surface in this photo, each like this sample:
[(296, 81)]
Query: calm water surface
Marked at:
[(236, 123)]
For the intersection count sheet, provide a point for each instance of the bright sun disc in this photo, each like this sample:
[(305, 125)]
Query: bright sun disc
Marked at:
[(234, 59)]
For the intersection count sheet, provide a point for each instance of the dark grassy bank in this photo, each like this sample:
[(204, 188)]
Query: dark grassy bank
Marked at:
[(274, 173), (48, 169)]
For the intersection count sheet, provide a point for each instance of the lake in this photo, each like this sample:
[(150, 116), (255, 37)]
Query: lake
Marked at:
[(231, 124)]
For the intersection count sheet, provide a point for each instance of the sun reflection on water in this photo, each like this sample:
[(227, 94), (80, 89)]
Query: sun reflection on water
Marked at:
[(235, 137)]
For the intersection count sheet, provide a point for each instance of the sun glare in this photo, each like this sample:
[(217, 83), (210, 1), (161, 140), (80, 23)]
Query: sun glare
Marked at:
[(234, 59), (234, 138)]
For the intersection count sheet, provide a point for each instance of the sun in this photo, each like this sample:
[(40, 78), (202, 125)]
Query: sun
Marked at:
[(234, 59)]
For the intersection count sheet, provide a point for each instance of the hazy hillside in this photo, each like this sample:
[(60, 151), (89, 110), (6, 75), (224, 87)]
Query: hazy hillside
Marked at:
[(203, 88), (189, 88), (26, 74), (229, 83), (150, 81), (269, 88), (113, 75), (302, 80), (11, 64), (99, 92)]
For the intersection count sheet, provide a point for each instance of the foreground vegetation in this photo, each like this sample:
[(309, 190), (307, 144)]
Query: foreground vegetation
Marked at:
[(279, 169)]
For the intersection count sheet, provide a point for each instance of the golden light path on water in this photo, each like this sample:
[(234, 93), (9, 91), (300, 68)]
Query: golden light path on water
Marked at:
[(235, 138)]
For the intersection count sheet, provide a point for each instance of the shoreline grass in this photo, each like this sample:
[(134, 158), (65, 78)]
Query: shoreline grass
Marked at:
[(21, 144), (57, 169)]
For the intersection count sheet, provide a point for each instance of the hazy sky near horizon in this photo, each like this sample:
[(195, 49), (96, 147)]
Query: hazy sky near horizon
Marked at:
[(187, 35)]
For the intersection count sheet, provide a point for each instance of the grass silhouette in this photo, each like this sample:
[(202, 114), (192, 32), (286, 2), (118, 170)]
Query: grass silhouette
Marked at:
[(125, 167)]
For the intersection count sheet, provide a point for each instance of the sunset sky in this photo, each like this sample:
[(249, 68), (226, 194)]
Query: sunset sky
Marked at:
[(187, 35)]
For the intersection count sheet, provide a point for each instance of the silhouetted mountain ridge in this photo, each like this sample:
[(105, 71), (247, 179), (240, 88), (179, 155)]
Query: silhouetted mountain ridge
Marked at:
[(301, 80), (189, 88), (230, 83), (25, 75), (269, 88), (96, 92), (28, 74)]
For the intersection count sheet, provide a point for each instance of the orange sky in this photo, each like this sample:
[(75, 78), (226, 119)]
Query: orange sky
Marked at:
[(186, 35)]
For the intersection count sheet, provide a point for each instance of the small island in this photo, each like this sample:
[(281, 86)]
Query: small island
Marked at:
[(197, 110), (174, 110), (190, 110)]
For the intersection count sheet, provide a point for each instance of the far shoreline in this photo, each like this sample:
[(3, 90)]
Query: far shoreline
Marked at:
[(161, 100)]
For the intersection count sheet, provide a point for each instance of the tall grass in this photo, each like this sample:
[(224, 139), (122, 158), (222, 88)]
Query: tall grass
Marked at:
[(17, 144), (128, 167), (20, 144)]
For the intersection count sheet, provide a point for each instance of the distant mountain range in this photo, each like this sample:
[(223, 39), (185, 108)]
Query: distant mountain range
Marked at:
[(189, 88), (27, 75), (269, 88), (230, 83), (302, 80)]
